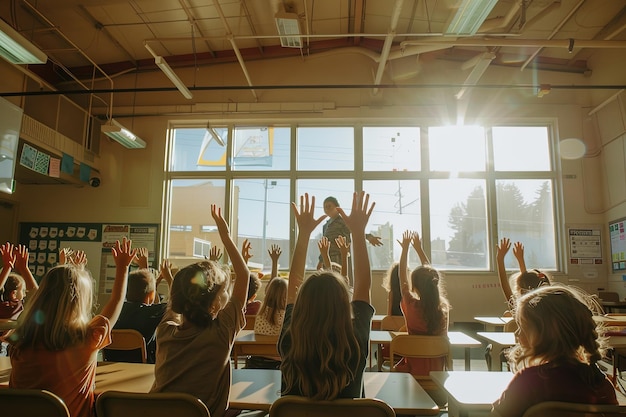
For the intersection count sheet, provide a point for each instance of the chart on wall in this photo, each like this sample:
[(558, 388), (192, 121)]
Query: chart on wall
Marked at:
[(44, 240)]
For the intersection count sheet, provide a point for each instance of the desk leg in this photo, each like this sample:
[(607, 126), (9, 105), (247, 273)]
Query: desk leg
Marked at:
[(379, 359), (467, 359), (496, 365), (235, 357)]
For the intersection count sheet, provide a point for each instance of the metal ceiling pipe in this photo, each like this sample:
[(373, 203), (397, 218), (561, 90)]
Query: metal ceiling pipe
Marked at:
[(395, 16), (231, 39), (521, 43), (554, 32)]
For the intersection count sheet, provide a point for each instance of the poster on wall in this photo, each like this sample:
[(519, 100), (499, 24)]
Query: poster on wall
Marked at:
[(44, 240), (585, 246)]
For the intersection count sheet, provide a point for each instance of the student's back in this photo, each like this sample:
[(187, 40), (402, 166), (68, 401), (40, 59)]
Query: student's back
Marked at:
[(197, 332)]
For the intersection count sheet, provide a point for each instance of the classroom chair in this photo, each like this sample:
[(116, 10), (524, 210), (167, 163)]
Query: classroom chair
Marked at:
[(250, 319), (31, 403), (127, 345), (423, 347), (165, 404), (296, 406), (608, 296), (563, 409), (390, 323)]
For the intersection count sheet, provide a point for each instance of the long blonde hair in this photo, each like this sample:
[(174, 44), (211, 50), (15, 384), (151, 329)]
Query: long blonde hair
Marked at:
[(57, 315), (275, 300), (556, 324), (322, 339)]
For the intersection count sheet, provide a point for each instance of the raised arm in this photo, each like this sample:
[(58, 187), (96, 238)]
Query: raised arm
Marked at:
[(357, 221), (215, 254), (21, 266), (274, 251), (242, 274), (417, 245), (374, 240), (306, 224), (344, 248), (324, 246), (405, 288), (165, 274), (8, 262), (245, 251), (123, 255), (518, 252), (142, 258), (501, 251)]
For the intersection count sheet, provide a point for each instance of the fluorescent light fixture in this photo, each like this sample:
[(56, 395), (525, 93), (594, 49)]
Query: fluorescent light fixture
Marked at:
[(17, 49), (479, 69), (169, 72), (120, 134), (288, 26), (469, 16)]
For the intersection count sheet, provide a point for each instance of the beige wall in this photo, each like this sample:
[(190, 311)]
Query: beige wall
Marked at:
[(133, 180)]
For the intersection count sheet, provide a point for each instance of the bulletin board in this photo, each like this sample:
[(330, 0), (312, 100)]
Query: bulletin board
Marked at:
[(584, 252), (96, 239)]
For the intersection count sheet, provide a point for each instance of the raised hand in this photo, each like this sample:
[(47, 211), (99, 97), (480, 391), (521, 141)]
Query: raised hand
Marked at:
[(343, 245), (8, 255), (360, 214), (79, 258), (323, 245), (216, 213), (165, 272), (518, 252), (503, 248), (374, 240), (274, 251), (65, 254), (245, 250), (215, 254), (407, 237), (123, 254), (21, 258), (142, 258), (305, 215)]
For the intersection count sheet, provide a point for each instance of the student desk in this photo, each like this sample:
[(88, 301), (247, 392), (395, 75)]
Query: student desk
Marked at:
[(493, 323), (612, 320), (499, 341), (610, 305), (257, 389), (249, 343), (378, 337), (473, 391)]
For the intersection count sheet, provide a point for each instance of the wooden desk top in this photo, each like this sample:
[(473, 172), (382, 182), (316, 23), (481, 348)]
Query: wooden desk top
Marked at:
[(257, 389), (249, 337), (501, 338), (496, 321), (476, 390), (380, 336), (456, 338)]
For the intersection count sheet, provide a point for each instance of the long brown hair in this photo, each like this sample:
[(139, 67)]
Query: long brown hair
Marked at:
[(426, 281), (275, 300), (57, 315), (322, 339), (556, 324)]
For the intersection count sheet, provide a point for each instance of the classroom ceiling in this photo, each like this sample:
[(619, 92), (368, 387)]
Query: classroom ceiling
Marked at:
[(88, 40)]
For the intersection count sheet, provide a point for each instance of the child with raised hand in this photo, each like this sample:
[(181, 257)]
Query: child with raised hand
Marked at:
[(423, 303), (558, 347), (59, 353), (325, 337), (197, 332), (13, 286), (523, 281)]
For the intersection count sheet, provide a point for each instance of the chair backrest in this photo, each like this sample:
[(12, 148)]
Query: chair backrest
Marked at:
[(392, 323), (250, 319), (123, 341), (563, 409), (420, 346), (608, 296), (295, 406), (31, 403), (165, 404)]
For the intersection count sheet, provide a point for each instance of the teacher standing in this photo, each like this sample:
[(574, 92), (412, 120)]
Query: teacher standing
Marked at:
[(335, 227)]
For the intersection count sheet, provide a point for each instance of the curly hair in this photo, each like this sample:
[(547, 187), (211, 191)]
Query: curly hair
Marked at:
[(195, 289), (556, 324)]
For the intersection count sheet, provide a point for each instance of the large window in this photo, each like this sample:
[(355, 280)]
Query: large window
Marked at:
[(461, 188)]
